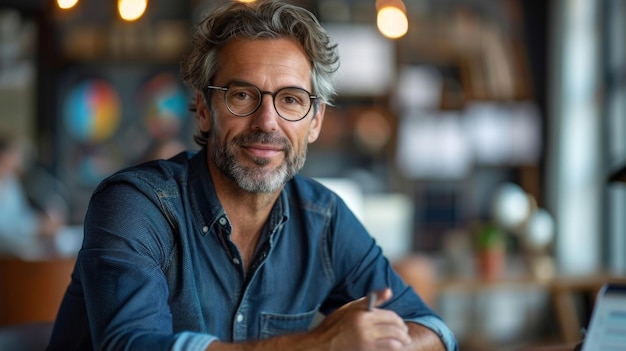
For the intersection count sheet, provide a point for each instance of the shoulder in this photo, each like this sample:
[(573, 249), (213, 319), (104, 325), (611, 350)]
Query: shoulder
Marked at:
[(154, 189), (152, 175), (309, 189), (318, 195)]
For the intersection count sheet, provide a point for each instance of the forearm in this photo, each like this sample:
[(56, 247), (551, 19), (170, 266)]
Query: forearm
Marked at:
[(357, 327), (424, 339), (293, 342)]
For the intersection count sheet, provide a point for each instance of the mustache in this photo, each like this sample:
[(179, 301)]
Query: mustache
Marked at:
[(262, 138)]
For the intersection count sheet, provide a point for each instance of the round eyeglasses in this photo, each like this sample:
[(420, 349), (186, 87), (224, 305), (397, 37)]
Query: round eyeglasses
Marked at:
[(291, 103)]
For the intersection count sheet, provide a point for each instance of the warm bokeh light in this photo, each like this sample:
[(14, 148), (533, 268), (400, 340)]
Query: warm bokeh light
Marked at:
[(246, 0), (66, 4), (392, 22), (131, 10)]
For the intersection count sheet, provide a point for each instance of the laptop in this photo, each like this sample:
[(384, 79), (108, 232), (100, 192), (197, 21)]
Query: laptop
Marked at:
[(607, 327)]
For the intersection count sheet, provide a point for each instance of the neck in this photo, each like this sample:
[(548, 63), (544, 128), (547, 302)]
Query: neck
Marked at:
[(248, 212)]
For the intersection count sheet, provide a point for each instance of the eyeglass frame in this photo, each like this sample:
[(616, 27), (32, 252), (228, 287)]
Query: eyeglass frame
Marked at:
[(312, 99)]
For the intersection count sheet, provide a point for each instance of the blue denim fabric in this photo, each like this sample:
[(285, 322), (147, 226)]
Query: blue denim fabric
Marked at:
[(157, 269)]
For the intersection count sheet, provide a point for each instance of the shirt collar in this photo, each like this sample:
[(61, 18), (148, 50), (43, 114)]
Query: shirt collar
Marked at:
[(206, 204), (204, 201)]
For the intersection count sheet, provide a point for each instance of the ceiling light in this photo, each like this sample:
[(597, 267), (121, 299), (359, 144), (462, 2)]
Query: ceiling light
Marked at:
[(131, 10), (391, 18), (66, 4)]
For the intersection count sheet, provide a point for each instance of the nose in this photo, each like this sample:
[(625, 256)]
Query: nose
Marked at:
[(265, 118)]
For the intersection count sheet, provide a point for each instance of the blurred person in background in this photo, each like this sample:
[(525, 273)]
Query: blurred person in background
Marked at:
[(25, 231)]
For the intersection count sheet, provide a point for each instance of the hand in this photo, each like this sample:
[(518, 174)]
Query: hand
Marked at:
[(350, 328), (353, 327), (49, 224)]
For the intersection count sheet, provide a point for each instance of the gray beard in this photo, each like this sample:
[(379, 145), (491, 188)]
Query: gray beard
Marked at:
[(256, 179)]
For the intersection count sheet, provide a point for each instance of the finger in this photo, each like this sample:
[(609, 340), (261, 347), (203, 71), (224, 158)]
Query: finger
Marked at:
[(386, 318), (390, 344), (390, 332)]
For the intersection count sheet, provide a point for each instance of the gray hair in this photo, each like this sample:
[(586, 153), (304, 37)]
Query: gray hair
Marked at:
[(272, 19)]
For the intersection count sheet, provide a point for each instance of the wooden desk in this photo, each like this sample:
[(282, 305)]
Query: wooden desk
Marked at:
[(564, 291), (32, 290), (562, 347), (564, 296)]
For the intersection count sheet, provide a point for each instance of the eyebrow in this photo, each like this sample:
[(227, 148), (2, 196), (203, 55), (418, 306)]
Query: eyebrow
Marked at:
[(243, 82), (237, 81)]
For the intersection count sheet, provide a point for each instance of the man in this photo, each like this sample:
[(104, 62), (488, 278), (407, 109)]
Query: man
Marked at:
[(230, 249)]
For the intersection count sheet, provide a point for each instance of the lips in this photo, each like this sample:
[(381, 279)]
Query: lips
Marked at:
[(259, 145), (263, 150)]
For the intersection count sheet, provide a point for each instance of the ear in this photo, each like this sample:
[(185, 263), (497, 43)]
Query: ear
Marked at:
[(316, 123), (202, 113)]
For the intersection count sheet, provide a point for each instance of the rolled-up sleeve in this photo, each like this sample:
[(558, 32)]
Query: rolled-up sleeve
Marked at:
[(440, 328), (189, 341)]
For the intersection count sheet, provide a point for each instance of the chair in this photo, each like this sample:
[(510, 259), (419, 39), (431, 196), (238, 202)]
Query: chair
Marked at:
[(26, 336), (32, 291)]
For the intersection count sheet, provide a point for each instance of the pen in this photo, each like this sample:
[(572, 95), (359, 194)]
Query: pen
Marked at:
[(371, 299)]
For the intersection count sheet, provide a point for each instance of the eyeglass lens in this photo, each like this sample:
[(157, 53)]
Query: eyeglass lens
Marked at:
[(290, 103)]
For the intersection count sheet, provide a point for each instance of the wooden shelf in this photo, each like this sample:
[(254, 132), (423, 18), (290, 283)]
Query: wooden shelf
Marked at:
[(564, 293)]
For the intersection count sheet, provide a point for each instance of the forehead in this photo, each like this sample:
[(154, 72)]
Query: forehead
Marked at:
[(264, 62)]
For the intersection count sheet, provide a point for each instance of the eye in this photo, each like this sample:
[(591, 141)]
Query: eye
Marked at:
[(242, 97), (240, 94), (290, 100), (292, 97)]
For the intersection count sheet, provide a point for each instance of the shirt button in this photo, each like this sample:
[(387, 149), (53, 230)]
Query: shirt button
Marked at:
[(205, 229), (239, 318), (222, 221), (236, 261)]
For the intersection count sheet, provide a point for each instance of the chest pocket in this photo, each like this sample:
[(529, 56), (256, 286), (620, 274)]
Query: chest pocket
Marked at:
[(274, 324)]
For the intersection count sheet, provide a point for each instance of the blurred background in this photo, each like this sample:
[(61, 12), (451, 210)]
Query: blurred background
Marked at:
[(480, 141)]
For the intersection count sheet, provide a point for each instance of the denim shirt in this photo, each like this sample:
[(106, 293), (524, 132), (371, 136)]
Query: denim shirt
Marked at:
[(158, 271)]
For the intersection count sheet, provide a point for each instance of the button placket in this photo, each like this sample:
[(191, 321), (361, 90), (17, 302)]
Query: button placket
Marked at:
[(240, 325)]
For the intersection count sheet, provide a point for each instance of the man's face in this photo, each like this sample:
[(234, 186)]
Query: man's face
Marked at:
[(262, 151)]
